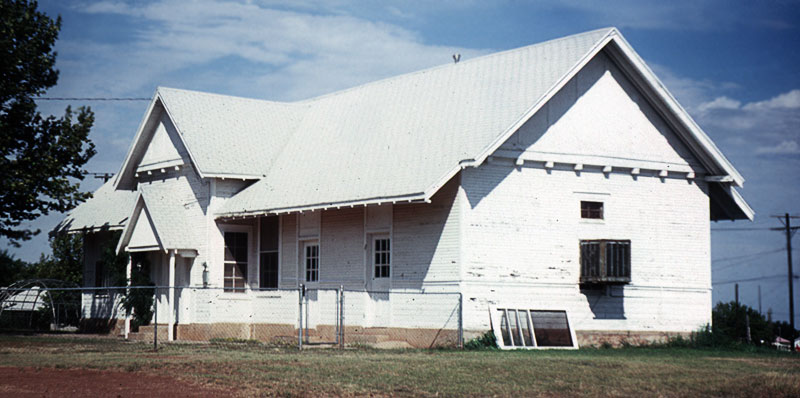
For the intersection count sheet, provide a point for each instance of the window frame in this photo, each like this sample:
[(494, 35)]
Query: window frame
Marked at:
[(497, 318), (603, 276), (259, 252), (247, 230), (586, 214), (305, 244), (374, 251)]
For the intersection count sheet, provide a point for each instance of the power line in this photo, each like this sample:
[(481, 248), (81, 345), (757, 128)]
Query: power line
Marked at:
[(751, 279), (737, 263), (92, 98), (742, 229), (746, 255)]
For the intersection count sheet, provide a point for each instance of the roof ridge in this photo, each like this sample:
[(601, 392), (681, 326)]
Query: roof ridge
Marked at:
[(235, 97), (448, 65), (310, 100)]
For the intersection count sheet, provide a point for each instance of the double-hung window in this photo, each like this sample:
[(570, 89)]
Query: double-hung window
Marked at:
[(605, 261), (235, 261), (268, 253)]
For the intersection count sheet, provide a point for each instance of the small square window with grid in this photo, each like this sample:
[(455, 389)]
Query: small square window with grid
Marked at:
[(592, 210), (312, 263), (382, 257)]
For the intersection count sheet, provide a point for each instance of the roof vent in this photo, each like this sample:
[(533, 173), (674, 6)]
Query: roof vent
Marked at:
[(456, 57)]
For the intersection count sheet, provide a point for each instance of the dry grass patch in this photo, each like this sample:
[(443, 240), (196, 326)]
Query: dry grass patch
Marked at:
[(264, 371)]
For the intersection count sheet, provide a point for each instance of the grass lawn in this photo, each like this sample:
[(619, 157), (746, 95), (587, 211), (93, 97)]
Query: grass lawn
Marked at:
[(251, 369)]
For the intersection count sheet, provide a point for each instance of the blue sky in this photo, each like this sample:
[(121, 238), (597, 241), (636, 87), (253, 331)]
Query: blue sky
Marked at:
[(732, 64)]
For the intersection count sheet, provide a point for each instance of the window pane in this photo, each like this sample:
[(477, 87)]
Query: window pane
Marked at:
[(241, 270), (551, 328), (312, 263), (512, 321), (591, 209), (269, 233), (525, 325), (268, 273), (504, 328), (236, 246)]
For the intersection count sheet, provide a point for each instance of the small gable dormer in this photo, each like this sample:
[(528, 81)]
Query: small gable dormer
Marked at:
[(165, 148), (158, 146)]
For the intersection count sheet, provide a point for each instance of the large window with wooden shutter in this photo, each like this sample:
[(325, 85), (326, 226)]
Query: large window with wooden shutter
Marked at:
[(605, 261)]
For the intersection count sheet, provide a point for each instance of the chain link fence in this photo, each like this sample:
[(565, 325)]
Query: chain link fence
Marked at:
[(299, 317)]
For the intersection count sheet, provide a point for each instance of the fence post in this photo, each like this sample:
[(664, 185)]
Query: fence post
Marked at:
[(300, 317), (155, 319), (341, 316), (461, 320), (128, 274), (342, 320), (336, 322)]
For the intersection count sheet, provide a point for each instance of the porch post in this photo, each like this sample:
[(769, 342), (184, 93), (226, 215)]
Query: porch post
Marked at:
[(171, 298), (128, 272)]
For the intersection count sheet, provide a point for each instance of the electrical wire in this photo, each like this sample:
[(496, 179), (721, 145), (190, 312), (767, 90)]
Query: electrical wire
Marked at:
[(717, 260), (751, 279), (742, 229), (92, 98)]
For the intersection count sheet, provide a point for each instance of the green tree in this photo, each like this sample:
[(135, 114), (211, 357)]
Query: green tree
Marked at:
[(729, 321), (41, 158), (66, 262), (12, 269)]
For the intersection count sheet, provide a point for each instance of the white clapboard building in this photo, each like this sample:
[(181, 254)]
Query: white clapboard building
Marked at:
[(562, 176)]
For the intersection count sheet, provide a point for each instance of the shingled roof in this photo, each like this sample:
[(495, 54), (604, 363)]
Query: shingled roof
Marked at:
[(108, 209), (398, 139)]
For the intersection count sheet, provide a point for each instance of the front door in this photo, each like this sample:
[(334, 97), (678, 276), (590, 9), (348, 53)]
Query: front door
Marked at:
[(379, 300)]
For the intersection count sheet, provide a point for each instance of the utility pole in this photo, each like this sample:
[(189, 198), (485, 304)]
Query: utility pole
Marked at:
[(787, 226), (736, 293), (759, 299)]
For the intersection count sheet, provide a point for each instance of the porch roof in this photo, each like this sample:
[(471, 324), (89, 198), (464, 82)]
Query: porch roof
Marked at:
[(164, 219), (106, 209)]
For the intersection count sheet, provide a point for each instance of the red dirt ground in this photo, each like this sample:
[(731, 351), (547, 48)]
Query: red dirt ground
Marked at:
[(47, 382)]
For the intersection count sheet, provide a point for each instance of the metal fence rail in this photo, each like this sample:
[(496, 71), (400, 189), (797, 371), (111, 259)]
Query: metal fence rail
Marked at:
[(301, 317)]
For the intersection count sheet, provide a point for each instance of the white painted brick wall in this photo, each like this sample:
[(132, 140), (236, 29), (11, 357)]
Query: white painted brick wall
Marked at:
[(522, 226)]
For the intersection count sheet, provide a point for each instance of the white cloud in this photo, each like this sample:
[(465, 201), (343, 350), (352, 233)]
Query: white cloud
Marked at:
[(690, 93), (719, 103), (290, 54), (784, 148), (790, 100)]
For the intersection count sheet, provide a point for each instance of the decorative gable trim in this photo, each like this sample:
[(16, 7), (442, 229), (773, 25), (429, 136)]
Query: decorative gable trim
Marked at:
[(147, 128), (139, 210)]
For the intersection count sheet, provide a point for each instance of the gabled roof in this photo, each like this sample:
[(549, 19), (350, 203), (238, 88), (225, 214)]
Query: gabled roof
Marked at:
[(403, 137), (166, 219), (400, 138), (106, 209)]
